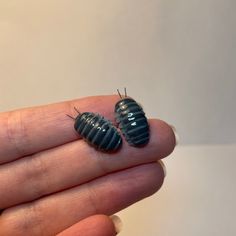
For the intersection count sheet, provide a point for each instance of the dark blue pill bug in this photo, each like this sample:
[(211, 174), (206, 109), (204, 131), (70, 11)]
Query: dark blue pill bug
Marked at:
[(132, 121), (97, 131)]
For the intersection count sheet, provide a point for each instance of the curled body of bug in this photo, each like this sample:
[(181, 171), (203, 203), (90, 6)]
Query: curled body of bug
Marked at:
[(132, 121), (97, 131)]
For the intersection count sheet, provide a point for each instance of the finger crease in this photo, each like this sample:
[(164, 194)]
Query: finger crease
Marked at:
[(16, 133), (38, 174), (33, 220), (92, 196)]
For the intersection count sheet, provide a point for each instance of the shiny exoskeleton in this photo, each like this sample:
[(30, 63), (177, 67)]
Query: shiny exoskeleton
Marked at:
[(132, 121), (98, 131)]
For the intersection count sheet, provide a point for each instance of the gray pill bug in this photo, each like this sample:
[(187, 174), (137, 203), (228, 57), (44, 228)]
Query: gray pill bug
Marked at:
[(97, 131), (132, 121)]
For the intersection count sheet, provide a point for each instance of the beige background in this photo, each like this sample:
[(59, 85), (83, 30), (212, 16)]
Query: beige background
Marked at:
[(176, 57)]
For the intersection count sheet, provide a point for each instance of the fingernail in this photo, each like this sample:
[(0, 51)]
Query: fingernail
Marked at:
[(176, 135), (163, 167), (117, 223)]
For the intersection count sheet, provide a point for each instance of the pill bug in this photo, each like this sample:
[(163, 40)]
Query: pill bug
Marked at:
[(97, 131), (132, 121)]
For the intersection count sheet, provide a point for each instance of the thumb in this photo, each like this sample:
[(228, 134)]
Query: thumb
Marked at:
[(96, 225)]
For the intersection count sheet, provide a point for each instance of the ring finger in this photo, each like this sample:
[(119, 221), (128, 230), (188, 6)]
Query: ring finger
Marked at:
[(106, 195)]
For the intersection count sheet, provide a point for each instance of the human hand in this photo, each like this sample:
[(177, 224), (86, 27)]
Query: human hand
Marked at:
[(52, 182)]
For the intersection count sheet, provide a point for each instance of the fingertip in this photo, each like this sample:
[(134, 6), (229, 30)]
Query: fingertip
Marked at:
[(162, 135)]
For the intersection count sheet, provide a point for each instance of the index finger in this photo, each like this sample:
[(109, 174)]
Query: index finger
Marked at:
[(30, 130)]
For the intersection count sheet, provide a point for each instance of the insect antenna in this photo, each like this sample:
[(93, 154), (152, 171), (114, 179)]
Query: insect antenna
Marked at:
[(77, 110), (125, 92), (119, 93), (71, 117)]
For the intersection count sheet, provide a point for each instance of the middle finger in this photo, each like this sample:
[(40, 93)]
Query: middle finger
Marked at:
[(75, 163)]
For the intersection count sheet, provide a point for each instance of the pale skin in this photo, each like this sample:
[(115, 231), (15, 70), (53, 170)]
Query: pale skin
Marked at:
[(53, 183)]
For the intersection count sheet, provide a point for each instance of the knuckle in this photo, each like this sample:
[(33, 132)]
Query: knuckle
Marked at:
[(33, 220), (37, 173), (16, 132), (25, 220), (92, 199)]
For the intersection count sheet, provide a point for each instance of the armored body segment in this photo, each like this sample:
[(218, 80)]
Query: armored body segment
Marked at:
[(98, 131), (132, 121)]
